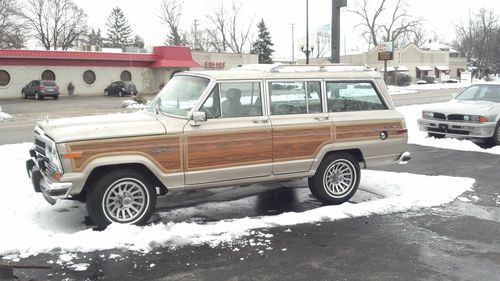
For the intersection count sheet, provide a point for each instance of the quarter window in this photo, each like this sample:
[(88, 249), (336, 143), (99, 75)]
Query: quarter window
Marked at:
[(48, 75), (4, 78), (295, 97), (353, 96), (89, 77)]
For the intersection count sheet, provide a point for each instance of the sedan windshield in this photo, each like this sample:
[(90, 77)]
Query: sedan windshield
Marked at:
[(179, 95), (481, 93)]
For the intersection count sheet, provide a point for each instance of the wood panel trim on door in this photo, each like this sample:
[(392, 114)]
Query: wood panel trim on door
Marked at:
[(366, 130)]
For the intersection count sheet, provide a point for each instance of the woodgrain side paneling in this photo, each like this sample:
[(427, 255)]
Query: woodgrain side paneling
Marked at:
[(353, 132), (165, 151), (228, 149), (299, 142)]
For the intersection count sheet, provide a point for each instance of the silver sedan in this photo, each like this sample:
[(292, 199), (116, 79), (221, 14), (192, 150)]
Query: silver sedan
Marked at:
[(472, 114)]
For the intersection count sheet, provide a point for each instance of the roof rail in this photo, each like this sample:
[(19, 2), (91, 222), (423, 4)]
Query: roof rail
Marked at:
[(304, 67)]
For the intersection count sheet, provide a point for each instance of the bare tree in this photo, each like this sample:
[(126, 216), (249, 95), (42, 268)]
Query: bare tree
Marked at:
[(11, 30), (170, 15), (55, 23), (478, 39), (379, 22), (229, 32)]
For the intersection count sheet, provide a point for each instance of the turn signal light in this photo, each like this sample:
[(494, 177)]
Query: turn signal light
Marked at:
[(483, 119), (73, 155)]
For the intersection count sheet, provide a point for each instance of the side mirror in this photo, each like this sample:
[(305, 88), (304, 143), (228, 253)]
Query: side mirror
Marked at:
[(197, 117)]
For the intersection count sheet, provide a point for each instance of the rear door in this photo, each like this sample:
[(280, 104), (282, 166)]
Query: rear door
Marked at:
[(300, 124), (235, 142)]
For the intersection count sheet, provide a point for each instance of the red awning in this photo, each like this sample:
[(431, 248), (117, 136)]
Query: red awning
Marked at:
[(175, 63)]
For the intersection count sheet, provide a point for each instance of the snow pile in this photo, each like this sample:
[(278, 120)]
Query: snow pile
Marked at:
[(131, 104), (32, 226), (414, 112), (4, 115)]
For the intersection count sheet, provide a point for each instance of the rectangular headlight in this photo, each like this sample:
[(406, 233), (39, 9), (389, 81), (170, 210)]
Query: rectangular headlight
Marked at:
[(427, 114)]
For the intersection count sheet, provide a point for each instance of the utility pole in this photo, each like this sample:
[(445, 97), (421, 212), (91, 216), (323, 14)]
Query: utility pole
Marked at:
[(196, 34), (293, 43), (335, 51)]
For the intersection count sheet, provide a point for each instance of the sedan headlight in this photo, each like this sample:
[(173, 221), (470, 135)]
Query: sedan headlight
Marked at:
[(427, 114), (53, 157), (475, 118)]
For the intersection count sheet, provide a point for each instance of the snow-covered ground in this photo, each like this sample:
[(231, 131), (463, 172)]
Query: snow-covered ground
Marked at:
[(415, 88), (31, 226), (413, 112)]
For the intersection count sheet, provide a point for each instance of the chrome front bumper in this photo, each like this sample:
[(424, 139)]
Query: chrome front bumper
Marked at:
[(51, 190), (458, 130)]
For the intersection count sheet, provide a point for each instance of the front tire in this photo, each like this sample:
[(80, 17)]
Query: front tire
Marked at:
[(121, 196), (120, 94), (24, 95), (38, 96), (106, 93), (336, 179), (496, 135)]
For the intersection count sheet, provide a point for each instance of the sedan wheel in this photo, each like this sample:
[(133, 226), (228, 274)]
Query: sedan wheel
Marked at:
[(336, 179), (106, 93), (120, 93), (24, 95), (37, 96)]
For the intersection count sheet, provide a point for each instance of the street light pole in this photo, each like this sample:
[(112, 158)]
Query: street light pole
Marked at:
[(335, 40), (293, 43), (307, 51)]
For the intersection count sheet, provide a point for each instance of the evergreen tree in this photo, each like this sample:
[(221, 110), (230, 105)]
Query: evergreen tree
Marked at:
[(262, 46), (138, 42), (118, 30)]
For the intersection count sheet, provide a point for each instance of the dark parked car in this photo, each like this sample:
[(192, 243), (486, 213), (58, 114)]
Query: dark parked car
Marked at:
[(121, 88), (40, 89)]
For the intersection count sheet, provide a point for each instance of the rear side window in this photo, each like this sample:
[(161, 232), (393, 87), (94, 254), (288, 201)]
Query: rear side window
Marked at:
[(295, 97), (353, 96), (49, 83)]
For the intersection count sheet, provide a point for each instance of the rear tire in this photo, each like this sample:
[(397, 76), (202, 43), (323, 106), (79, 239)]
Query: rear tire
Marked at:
[(106, 93), (38, 96), (123, 196), (24, 95), (437, 136), (336, 179), (120, 94)]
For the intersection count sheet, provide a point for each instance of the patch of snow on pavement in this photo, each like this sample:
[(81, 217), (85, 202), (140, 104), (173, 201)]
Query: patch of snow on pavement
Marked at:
[(414, 112), (131, 104), (4, 116), (34, 227)]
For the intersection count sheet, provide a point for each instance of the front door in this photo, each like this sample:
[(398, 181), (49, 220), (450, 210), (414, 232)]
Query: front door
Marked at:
[(235, 142)]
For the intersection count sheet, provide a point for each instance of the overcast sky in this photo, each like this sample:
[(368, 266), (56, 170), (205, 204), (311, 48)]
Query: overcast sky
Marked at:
[(439, 16)]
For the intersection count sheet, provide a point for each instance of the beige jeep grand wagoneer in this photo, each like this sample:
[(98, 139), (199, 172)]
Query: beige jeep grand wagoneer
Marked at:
[(221, 128)]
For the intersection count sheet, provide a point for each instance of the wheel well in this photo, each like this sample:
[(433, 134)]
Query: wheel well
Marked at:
[(356, 153), (99, 171)]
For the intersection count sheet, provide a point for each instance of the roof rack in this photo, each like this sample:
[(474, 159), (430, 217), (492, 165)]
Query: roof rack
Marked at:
[(304, 67)]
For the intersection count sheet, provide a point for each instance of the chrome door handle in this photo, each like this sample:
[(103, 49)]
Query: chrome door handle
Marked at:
[(322, 118), (263, 121)]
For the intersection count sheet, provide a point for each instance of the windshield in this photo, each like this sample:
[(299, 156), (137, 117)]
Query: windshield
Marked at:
[(179, 95), (481, 93)]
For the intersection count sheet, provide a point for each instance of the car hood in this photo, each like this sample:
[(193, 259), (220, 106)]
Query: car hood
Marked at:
[(102, 127), (465, 107)]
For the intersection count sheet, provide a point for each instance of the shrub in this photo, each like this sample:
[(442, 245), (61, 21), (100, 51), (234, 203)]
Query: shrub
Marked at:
[(403, 79)]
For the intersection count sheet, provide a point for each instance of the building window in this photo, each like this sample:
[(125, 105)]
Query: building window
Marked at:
[(4, 78), (126, 76), (48, 75), (89, 77)]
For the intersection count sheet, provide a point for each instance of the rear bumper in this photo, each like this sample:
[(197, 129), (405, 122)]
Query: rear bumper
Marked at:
[(51, 190), (457, 129)]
